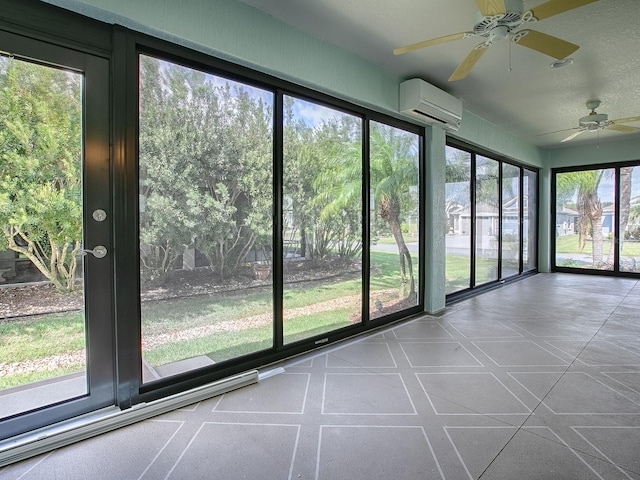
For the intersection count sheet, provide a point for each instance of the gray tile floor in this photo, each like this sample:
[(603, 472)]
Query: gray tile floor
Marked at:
[(537, 380)]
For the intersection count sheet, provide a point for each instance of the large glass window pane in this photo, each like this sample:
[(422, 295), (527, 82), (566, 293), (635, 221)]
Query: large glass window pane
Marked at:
[(510, 230), (529, 223), (322, 219), (394, 213), (205, 218), (487, 219), (43, 355), (585, 212), (629, 244), (458, 212)]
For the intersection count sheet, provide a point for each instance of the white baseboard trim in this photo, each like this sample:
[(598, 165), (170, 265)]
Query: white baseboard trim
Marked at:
[(101, 421)]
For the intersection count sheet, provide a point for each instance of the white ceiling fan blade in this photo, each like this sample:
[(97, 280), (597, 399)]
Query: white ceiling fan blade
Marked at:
[(489, 8), (623, 128), (557, 131), (554, 7), (428, 43), (626, 120), (467, 64), (572, 136)]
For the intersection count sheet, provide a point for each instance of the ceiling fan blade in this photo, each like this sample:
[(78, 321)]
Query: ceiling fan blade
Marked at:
[(572, 136), (623, 128), (467, 64), (549, 45), (554, 7), (428, 43), (557, 131), (489, 8), (626, 120)]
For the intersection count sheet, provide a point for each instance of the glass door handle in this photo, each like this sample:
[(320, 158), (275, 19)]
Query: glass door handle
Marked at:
[(99, 251)]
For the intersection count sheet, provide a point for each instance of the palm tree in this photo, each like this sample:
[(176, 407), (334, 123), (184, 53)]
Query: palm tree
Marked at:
[(625, 201), (589, 207), (393, 170)]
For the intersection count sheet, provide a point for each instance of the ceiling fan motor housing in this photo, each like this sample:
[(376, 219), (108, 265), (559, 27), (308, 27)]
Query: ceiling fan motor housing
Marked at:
[(512, 19), (594, 121)]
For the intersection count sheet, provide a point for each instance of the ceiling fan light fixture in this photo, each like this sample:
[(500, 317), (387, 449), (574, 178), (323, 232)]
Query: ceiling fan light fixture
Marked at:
[(565, 62)]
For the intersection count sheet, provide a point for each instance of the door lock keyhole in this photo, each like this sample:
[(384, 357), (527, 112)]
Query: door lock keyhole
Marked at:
[(99, 215)]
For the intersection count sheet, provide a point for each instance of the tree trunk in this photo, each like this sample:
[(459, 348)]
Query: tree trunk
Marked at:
[(408, 287), (31, 252), (625, 204), (390, 213), (594, 212)]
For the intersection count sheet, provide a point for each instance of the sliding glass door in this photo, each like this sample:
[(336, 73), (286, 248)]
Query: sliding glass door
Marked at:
[(322, 219), (510, 228), (529, 220), (221, 276), (205, 215), (458, 211), (629, 219), (394, 168), (492, 214), (487, 220), (56, 350), (596, 219)]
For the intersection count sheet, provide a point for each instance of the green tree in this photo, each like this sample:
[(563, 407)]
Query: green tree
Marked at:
[(205, 168), (585, 185), (234, 177), (625, 202), (40, 167), (165, 228), (457, 182), (340, 205), (313, 212), (393, 171)]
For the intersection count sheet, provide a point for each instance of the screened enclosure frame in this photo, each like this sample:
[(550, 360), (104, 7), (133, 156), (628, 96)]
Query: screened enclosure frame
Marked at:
[(612, 268), (472, 286), (119, 48), (129, 332)]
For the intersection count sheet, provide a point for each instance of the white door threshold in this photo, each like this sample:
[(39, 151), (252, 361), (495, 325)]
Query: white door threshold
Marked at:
[(101, 421)]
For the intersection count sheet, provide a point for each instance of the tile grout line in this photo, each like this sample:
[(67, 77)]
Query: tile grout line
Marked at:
[(519, 428)]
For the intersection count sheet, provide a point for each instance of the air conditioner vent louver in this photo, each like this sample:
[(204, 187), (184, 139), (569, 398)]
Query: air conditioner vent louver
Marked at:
[(426, 116), (429, 104)]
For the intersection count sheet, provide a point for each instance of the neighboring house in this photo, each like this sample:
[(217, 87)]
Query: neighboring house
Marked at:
[(459, 218), (566, 221)]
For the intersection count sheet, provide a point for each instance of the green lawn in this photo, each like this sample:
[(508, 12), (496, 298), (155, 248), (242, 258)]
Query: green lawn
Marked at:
[(30, 340), (36, 338), (458, 270), (569, 244), (392, 241)]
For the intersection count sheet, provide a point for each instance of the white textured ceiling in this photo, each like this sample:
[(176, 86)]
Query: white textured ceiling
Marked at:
[(530, 100)]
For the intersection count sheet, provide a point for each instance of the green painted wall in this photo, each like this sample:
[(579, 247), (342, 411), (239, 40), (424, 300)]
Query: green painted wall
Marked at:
[(606, 152)]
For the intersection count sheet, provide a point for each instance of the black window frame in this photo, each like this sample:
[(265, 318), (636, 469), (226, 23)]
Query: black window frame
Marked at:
[(615, 271), (132, 44), (473, 288)]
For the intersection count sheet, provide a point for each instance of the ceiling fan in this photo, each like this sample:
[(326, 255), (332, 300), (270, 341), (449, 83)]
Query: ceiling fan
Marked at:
[(498, 20), (594, 122)]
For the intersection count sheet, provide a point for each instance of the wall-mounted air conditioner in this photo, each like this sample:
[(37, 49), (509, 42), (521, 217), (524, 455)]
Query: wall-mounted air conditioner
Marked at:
[(429, 104)]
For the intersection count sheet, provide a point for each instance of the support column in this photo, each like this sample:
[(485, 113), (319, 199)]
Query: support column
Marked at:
[(544, 220), (435, 220)]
